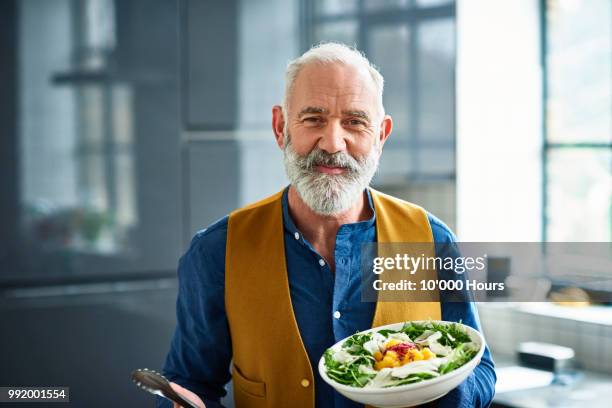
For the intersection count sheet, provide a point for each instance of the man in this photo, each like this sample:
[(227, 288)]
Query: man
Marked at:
[(270, 287)]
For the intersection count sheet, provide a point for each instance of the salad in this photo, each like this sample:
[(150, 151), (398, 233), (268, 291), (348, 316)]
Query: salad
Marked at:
[(388, 358)]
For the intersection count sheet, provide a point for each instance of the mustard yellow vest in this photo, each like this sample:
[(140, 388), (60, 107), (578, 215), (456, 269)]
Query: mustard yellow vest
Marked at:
[(270, 366)]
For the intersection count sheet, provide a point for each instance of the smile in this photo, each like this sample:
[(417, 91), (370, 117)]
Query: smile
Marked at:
[(330, 169)]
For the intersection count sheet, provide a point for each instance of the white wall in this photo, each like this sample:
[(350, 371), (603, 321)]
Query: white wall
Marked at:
[(499, 120)]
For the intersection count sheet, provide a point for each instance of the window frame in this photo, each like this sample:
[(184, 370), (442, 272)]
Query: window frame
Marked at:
[(412, 16), (549, 147)]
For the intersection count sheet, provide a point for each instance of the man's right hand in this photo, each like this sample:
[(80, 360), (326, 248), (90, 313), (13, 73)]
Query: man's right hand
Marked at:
[(187, 394)]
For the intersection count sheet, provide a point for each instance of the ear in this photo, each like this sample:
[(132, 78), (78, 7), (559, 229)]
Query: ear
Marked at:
[(386, 127), (278, 125)]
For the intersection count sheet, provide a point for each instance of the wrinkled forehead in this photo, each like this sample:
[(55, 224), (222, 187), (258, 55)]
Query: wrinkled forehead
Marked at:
[(335, 87)]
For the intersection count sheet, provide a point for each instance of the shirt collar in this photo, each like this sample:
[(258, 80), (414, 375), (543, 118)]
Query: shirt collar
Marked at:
[(346, 228)]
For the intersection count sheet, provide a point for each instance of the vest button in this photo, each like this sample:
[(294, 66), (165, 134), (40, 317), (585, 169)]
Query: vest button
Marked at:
[(305, 383)]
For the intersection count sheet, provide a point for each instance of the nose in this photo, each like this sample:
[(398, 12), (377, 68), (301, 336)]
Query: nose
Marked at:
[(332, 138)]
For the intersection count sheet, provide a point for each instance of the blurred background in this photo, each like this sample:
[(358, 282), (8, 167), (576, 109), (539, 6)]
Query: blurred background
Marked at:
[(129, 125)]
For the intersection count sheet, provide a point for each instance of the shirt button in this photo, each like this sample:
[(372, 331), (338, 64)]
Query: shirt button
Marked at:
[(297, 235), (305, 383), (321, 262), (337, 314)]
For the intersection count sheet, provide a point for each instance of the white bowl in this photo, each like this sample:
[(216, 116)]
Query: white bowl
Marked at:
[(409, 394)]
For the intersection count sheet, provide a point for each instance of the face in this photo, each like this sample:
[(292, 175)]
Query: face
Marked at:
[(332, 136)]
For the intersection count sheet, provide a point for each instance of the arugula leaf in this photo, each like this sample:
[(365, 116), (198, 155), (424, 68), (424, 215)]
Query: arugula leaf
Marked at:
[(354, 344), (413, 330), (387, 332), (412, 378), (453, 335), (459, 357)]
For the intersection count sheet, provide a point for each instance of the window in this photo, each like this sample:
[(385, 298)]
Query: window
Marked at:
[(413, 44), (90, 161), (577, 165), (98, 173)]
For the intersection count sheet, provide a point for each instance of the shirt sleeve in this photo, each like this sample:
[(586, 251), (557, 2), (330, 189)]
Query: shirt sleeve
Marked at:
[(200, 352), (478, 389)]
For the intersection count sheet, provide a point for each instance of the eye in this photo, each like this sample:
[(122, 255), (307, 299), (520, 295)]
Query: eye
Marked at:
[(356, 122), (313, 120)]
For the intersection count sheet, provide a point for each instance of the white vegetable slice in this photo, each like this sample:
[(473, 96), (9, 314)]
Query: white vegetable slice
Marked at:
[(435, 346), (417, 367), (423, 337), (372, 346), (364, 369), (400, 336), (344, 357), (382, 379)]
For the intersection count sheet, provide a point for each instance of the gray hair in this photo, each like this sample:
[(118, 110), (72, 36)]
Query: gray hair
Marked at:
[(330, 52)]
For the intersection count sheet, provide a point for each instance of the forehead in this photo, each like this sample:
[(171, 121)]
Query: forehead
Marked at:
[(334, 86)]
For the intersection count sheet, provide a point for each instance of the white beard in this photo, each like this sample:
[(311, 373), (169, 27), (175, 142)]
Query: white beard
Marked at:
[(328, 194)]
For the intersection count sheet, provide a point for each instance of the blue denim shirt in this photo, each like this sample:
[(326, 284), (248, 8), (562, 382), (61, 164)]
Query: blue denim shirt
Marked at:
[(327, 307)]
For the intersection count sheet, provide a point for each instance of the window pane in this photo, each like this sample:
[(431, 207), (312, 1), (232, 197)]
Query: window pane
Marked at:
[(92, 187), (384, 4), (98, 139), (437, 162), (259, 80), (393, 63), (396, 165), (341, 31), (126, 215), (336, 6), (399, 159), (419, 91), (579, 195), (432, 3), (123, 115), (91, 125), (579, 66), (436, 78)]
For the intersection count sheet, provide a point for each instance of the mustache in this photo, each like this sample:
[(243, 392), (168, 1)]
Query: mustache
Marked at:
[(318, 157)]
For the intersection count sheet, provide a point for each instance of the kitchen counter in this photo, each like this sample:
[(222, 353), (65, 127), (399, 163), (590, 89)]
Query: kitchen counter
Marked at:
[(519, 387)]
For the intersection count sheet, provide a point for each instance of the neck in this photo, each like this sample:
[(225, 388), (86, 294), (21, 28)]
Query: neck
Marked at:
[(320, 230)]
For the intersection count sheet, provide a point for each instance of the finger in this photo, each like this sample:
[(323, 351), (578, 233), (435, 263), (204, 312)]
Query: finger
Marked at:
[(187, 394), (176, 387)]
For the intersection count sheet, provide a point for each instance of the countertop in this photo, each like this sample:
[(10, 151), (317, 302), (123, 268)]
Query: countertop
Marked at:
[(527, 388)]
